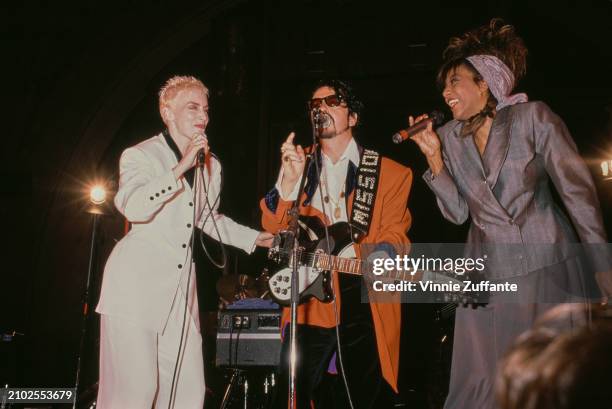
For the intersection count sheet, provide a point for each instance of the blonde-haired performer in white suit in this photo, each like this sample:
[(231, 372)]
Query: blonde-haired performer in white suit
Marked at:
[(149, 277)]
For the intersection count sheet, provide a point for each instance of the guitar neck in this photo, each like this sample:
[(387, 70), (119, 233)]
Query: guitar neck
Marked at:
[(360, 267)]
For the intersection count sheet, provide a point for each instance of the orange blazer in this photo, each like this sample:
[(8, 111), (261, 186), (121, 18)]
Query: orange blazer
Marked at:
[(390, 221)]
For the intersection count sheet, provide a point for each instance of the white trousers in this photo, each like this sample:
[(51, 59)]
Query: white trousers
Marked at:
[(137, 364)]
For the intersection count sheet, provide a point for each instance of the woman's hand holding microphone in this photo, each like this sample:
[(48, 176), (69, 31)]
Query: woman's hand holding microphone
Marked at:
[(429, 143)]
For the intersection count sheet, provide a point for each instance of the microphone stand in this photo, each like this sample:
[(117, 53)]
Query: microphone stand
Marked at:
[(294, 214)]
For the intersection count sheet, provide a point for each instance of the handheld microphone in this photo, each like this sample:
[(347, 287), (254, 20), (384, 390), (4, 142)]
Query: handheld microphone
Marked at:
[(201, 158), (316, 118), (321, 120), (435, 117)]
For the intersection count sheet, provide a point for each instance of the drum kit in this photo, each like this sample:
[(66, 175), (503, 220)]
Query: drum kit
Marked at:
[(235, 287)]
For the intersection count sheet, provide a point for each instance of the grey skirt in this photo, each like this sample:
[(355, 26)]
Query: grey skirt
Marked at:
[(483, 334)]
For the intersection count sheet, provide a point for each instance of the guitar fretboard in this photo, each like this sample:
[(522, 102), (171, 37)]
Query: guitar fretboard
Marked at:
[(359, 267)]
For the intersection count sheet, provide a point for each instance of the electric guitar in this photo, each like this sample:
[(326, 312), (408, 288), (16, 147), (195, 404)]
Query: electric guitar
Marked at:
[(317, 255)]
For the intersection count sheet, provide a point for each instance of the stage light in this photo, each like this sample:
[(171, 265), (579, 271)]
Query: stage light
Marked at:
[(97, 194), (606, 169)]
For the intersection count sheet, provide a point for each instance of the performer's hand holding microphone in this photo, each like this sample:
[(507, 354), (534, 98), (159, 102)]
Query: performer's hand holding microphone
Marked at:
[(201, 159), (194, 154), (435, 118), (422, 133)]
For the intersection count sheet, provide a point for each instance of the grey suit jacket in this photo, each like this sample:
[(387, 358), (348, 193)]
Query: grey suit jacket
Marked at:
[(507, 192)]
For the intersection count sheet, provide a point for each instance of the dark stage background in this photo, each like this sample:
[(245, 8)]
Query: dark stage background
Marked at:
[(80, 86)]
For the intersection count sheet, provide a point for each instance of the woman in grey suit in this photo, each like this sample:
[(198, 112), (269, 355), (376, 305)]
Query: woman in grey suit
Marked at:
[(493, 162)]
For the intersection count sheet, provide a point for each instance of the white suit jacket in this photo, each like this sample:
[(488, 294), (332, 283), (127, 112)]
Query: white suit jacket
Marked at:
[(150, 266)]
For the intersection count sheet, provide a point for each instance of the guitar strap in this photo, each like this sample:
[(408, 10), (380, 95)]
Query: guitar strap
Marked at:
[(365, 194)]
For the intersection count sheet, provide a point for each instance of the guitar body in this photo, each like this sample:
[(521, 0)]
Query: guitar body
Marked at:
[(313, 281), (316, 255)]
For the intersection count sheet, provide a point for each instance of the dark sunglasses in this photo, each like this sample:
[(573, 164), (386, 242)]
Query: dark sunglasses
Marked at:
[(331, 101)]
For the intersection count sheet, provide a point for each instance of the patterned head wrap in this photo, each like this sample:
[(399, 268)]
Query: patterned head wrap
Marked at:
[(499, 78)]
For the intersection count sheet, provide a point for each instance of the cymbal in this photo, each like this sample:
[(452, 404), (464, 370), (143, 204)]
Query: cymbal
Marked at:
[(261, 283), (234, 287)]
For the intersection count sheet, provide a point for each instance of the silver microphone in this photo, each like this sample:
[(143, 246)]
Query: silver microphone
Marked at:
[(316, 118), (320, 119)]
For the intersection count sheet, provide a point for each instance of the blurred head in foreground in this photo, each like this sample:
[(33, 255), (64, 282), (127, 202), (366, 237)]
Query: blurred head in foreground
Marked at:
[(550, 368)]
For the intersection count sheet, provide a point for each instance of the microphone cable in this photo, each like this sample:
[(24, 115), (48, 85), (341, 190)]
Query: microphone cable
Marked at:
[(173, 384), (223, 262), (192, 246)]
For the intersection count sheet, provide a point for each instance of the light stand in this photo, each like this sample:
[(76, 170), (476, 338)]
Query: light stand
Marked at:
[(97, 199)]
